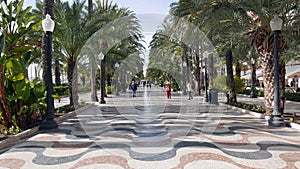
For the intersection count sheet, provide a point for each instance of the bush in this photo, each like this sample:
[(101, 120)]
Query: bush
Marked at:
[(292, 96), (251, 107), (64, 109), (84, 89), (221, 83), (260, 93), (61, 90), (110, 89), (245, 91)]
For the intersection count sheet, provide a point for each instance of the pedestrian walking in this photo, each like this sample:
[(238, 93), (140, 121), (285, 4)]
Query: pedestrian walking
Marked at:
[(189, 89), (133, 87), (168, 90)]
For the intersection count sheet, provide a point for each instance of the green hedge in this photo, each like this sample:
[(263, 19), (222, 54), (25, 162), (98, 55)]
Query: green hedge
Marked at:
[(221, 83), (251, 107), (288, 95), (292, 96), (61, 90)]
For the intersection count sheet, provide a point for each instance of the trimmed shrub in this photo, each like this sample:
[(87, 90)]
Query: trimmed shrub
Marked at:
[(292, 96)]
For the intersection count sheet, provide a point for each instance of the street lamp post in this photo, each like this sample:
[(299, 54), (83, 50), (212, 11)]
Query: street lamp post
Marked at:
[(184, 78), (117, 76), (102, 74), (205, 81), (276, 119), (48, 27), (205, 76), (253, 79)]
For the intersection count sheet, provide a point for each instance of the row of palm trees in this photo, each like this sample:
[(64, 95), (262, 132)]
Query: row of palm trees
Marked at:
[(78, 28), (233, 28)]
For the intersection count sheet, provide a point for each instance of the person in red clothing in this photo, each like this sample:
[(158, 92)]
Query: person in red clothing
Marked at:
[(168, 90)]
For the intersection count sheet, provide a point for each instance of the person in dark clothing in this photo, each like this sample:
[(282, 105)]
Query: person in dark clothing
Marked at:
[(133, 87)]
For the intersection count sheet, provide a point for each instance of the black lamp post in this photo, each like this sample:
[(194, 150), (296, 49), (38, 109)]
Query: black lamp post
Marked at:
[(102, 80), (276, 119), (117, 76), (253, 78), (184, 78), (48, 123), (205, 76)]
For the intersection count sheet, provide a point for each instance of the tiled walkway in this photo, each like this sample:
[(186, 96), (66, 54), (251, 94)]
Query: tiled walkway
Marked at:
[(151, 132)]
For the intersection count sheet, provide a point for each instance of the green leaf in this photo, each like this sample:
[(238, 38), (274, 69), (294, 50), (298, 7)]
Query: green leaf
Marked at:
[(11, 98), (18, 77), (26, 94)]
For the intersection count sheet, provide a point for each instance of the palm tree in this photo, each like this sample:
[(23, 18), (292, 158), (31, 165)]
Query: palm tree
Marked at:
[(259, 14), (92, 61), (71, 34), (108, 14)]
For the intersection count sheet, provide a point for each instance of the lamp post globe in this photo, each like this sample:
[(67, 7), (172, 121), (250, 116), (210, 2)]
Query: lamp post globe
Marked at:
[(276, 120), (49, 122)]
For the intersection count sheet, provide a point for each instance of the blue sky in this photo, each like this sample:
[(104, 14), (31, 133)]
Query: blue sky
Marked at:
[(138, 6), (149, 12)]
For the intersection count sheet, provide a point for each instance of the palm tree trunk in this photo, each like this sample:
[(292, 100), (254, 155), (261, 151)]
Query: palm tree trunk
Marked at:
[(197, 72), (231, 94), (72, 80), (93, 66), (94, 97), (6, 114), (238, 69), (57, 73), (267, 64)]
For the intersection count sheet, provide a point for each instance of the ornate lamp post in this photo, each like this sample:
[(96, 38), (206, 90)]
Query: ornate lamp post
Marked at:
[(253, 78), (102, 74), (117, 75), (276, 119), (205, 76), (48, 27), (184, 78)]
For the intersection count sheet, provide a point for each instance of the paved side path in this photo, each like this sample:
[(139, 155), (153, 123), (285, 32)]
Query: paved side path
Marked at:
[(290, 106), (151, 132)]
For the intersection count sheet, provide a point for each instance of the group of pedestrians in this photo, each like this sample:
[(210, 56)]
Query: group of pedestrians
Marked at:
[(169, 90), (133, 87)]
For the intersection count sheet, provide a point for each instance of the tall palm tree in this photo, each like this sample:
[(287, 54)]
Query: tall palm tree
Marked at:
[(71, 34), (259, 15), (92, 61), (106, 13)]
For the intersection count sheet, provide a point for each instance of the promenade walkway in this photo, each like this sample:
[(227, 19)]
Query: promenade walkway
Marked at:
[(151, 132)]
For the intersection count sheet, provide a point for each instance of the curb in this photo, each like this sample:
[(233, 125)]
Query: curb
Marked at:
[(10, 141), (261, 116)]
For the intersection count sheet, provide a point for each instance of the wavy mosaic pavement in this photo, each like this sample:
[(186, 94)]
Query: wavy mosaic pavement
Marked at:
[(151, 132)]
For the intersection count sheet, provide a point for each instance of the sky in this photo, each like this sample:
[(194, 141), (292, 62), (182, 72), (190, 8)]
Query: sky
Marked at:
[(150, 13)]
